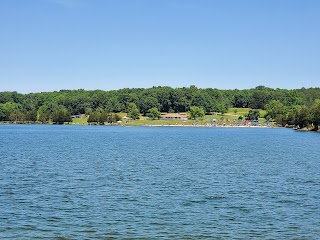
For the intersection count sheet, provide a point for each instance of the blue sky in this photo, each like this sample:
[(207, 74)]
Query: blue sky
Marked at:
[(48, 45)]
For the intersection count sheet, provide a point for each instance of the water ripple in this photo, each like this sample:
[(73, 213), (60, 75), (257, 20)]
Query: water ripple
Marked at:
[(66, 182)]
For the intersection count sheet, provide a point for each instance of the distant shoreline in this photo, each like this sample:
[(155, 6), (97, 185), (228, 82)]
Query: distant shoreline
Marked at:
[(162, 125), (145, 125)]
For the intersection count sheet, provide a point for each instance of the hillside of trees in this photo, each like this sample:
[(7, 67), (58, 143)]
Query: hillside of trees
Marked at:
[(295, 107)]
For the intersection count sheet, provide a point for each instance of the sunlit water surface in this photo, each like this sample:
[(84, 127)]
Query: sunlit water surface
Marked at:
[(73, 182)]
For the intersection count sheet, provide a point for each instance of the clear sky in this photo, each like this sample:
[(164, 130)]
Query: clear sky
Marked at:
[(48, 45)]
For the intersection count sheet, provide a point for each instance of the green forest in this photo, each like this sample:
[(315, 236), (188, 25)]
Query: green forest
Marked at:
[(298, 107)]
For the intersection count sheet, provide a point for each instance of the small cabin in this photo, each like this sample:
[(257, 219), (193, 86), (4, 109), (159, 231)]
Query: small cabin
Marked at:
[(174, 116)]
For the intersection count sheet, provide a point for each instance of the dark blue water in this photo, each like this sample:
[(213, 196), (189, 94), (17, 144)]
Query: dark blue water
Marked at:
[(72, 182)]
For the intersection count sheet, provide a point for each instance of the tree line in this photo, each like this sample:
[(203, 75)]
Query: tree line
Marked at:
[(282, 105)]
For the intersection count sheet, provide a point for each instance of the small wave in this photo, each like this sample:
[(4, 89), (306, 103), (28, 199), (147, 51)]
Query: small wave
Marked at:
[(54, 219), (63, 238), (215, 197), (27, 227), (88, 231), (287, 201)]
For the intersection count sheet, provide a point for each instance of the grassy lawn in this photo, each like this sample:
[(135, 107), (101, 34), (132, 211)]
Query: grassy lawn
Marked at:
[(122, 114), (239, 111), (80, 121), (230, 115), (243, 111)]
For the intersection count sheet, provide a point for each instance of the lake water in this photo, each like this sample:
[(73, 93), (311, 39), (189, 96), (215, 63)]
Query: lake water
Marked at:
[(98, 182)]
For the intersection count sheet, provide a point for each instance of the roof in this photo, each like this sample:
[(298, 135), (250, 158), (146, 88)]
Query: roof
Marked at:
[(174, 115)]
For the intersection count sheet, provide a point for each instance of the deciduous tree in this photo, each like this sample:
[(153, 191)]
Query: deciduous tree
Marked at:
[(196, 112), (154, 113), (132, 111)]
